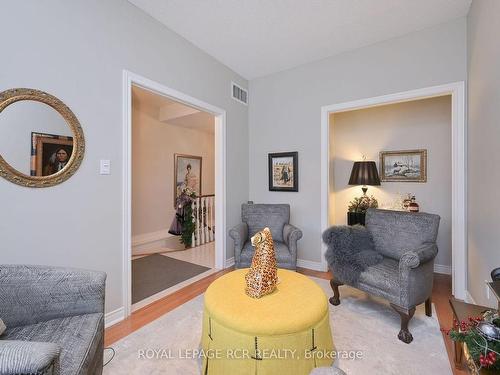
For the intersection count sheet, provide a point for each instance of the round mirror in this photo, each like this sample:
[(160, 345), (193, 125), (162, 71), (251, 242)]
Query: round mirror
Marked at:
[(41, 140)]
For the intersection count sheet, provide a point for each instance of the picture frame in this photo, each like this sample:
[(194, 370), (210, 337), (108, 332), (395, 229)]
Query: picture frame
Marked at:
[(283, 171), (403, 166), (187, 173), (43, 153)]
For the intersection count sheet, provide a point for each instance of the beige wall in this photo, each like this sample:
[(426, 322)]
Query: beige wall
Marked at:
[(421, 124), (154, 144), (483, 140)]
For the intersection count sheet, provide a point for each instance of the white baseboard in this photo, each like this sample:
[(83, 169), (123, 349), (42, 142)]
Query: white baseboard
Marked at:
[(229, 262), (441, 268), (145, 238), (316, 266), (114, 317)]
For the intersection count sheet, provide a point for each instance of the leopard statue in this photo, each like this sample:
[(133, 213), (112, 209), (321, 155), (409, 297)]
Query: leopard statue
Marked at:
[(262, 276)]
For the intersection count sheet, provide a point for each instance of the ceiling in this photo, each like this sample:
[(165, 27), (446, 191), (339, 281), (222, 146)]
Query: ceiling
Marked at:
[(260, 37), (172, 112)]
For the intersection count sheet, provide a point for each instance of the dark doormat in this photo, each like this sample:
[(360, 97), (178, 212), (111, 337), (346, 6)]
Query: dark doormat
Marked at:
[(155, 273)]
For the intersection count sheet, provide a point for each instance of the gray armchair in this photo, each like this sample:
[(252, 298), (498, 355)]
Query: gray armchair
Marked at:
[(256, 217), (54, 318), (404, 276)]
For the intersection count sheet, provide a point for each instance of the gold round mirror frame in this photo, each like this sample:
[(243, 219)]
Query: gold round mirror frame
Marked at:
[(11, 96)]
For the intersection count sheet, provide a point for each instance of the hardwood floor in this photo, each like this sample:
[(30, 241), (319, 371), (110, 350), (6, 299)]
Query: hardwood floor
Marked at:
[(440, 296)]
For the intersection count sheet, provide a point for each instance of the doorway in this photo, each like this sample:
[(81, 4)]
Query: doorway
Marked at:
[(458, 168), (173, 144)]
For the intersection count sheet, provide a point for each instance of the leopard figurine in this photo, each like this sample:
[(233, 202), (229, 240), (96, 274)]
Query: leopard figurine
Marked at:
[(262, 277)]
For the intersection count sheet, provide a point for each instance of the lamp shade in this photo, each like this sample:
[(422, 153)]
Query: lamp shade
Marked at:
[(364, 173)]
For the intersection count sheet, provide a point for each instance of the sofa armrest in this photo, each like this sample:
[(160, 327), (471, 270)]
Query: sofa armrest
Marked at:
[(416, 257), (291, 234), (32, 294), (239, 234), (28, 357)]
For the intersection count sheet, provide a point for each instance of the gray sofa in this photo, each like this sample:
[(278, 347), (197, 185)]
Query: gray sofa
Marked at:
[(54, 318), (256, 217), (404, 277)]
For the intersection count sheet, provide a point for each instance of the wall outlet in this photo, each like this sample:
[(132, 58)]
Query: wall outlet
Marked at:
[(487, 289)]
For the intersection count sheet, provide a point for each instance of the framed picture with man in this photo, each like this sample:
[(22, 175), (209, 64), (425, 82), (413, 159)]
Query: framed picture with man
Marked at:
[(50, 153)]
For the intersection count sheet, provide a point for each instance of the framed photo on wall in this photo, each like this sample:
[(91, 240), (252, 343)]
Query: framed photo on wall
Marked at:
[(49, 153), (403, 166), (283, 171), (187, 174)]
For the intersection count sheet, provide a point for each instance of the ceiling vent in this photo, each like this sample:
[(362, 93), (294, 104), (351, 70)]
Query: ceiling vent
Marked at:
[(239, 94)]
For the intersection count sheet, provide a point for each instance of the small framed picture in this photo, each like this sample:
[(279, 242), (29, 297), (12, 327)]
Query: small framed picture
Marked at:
[(187, 172), (403, 166), (283, 171), (49, 153)]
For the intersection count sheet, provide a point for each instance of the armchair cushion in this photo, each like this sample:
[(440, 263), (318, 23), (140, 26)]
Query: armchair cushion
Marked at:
[(283, 255), (24, 357), (394, 232), (259, 216), (79, 337), (2, 327)]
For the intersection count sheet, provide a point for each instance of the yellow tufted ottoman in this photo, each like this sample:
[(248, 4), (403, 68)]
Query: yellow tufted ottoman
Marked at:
[(286, 332)]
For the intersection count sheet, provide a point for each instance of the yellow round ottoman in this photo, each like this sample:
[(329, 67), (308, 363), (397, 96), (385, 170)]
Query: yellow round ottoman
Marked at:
[(286, 332)]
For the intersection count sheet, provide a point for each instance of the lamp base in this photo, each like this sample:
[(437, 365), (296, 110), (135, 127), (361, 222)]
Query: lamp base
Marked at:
[(365, 189)]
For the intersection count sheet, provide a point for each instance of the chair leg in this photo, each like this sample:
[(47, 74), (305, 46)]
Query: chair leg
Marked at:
[(335, 300), (428, 307), (405, 314)]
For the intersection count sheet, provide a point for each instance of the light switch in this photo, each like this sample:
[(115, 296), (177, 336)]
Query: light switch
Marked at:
[(105, 167)]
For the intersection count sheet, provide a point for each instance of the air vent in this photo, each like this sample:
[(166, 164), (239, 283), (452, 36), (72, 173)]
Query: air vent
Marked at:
[(239, 94)]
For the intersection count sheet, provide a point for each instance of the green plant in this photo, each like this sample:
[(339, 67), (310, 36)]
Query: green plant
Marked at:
[(362, 204), (188, 226)]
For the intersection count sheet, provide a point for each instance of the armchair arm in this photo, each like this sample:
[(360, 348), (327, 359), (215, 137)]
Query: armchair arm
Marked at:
[(28, 357), (239, 234), (32, 294), (418, 256), (291, 235)]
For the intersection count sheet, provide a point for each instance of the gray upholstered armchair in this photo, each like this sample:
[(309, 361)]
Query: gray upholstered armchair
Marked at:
[(404, 272), (54, 318), (256, 217)]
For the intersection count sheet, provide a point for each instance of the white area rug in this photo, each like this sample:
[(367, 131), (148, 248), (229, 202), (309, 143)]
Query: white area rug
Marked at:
[(360, 322)]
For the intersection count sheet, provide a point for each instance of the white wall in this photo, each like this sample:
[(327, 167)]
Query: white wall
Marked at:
[(483, 140), (420, 124), (77, 50), (154, 144), (285, 109)]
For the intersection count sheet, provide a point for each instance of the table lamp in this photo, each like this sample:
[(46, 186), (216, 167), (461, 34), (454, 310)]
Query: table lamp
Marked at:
[(364, 173)]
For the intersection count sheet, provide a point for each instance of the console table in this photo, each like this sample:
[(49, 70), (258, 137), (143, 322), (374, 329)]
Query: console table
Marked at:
[(462, 311)]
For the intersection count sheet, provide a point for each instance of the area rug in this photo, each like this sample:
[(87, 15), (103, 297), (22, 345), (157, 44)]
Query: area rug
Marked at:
[(359, 323), (154, 273)]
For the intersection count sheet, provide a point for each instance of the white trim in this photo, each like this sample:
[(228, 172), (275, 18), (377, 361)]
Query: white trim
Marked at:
[(129, 79), (442, 269), (230, 262), (309, 264), (459, 166), (145, 238), (113, 317), (468, 298)]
